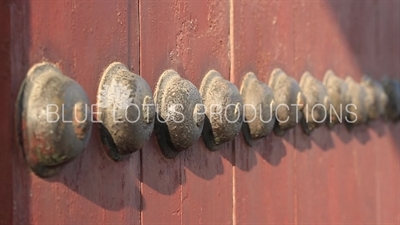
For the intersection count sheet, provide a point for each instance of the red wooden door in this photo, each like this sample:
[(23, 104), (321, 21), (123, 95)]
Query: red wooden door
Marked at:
[(332, 176)]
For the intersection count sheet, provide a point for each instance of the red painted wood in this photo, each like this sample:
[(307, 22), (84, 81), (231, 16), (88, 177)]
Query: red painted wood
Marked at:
[(264, 174), (82, 38), (6, 115), (191, 37), (388, 146), (335, 177), (343, 164)]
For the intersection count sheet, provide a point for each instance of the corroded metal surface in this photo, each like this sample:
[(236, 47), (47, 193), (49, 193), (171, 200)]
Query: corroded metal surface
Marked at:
[(316, 109), (392, 89), (224, 110), (54, 119), (180, 113), (289, 101), (336, 89), (259, 108), (357, 112), (376, 99), (125, 111)]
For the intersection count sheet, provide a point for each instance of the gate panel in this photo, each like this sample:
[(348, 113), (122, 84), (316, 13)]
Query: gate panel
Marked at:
[(333, 176), (191, 37), (388, 147), (82, 38), (340, 169), (325, 165), (6, 172), (264, 182)]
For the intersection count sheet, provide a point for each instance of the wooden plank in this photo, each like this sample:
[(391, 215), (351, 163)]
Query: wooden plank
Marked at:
[(388, 146), (19, 45), (191, 37), (6, 115), (264, 190), (317, 52), (343, 164), (82, 38), (331, 177), (321, 165)]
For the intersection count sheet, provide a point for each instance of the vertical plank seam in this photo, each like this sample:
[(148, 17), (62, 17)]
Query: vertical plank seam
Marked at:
[(295, 194), (182, 173), (129, 36), (377, 172), (141, 150), (231, 78)]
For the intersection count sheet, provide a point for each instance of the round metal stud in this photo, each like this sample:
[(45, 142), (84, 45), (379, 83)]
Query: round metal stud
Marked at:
[(125, 110), (337, 91), (357, 113), (53, 119), (376, 99), (316, 109), (180, 113), (224, 111), (258, 108), (289, 100), (392, 90)]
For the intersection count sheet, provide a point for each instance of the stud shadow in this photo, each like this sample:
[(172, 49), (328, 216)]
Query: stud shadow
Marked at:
[(204, 163), (270, 148), (204, 158), (84, 176)]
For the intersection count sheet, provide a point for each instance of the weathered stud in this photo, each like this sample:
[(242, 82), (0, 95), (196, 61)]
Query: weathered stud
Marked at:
[(258, 108), (223, 106), (376, 99), (316, 108), (53, 119), (289, 101), (336, 89), (180, 113), (392, 90), (125, 111), (357, 113)]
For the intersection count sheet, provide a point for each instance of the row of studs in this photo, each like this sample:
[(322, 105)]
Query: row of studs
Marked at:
[(257, 109), (309, 102)]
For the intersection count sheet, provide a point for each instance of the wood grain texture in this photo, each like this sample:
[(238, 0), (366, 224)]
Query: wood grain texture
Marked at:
[(191, 37), (82, 38), (340, 36), (6, 115), (331, 177), (263, 174)]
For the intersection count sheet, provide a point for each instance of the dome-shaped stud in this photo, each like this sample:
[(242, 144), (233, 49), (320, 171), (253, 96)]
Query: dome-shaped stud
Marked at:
[(258, 108), (289, 100), (125, 110), (376, 99), (357, 113), (392, 90), (224, 111), (53, 119), (316, 109), (180, 113), (337, 91)]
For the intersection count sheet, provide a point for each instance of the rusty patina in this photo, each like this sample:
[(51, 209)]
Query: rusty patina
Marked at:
[(336, 89), (259, 108), (224, 111), (289, 100), (316, 109), (180, 113), (125, 111), (53, 119)]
